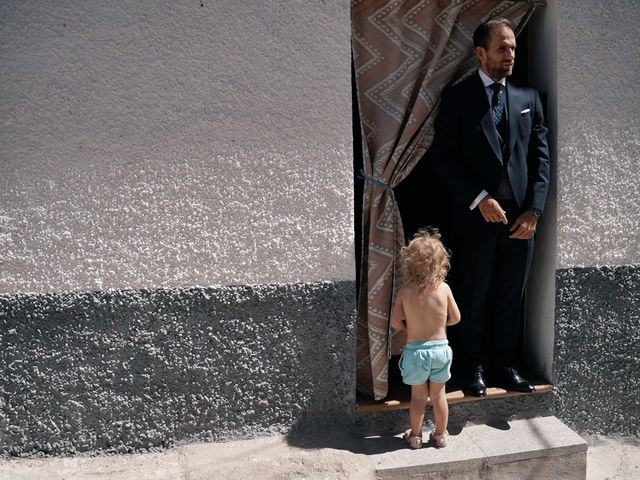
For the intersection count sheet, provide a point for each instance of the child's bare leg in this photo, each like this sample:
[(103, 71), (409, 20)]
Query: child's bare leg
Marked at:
[(440, 406), (419, 396)]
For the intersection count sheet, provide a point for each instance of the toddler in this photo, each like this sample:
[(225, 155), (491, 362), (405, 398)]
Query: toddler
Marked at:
[(424, 307)]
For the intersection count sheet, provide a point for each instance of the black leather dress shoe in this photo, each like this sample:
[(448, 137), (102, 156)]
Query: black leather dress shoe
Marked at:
[(474, 384), (510, 379)]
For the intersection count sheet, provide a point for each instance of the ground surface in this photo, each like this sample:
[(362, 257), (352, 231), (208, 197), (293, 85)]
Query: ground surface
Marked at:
[(328, 456)]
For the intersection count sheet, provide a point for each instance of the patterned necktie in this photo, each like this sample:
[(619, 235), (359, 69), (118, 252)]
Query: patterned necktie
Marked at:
[(497, 108)]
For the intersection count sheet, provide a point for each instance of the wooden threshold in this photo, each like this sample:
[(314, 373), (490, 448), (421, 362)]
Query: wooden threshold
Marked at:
[(400, 400)]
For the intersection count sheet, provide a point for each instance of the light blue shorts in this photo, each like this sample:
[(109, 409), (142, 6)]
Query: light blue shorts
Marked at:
[(422, 361)]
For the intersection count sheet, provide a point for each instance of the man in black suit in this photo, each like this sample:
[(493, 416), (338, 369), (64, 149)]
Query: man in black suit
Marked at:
[(490, 151)]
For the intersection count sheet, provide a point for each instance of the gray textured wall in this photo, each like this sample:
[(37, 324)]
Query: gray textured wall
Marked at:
[(596, 364), (152, 153), (122, 370), (150, 145), (597, 359), (599, 128), (167, 144)]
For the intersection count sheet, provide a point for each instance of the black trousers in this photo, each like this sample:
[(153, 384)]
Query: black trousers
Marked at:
[(488, 276)]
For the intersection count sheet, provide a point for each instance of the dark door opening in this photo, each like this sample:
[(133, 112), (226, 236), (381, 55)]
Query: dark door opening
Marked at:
[(423, 202)]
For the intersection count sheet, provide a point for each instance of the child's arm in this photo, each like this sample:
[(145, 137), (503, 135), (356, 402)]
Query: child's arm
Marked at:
[(397, 314), (453, 313)]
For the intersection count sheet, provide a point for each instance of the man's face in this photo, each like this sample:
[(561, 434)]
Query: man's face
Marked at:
[(497, 60)]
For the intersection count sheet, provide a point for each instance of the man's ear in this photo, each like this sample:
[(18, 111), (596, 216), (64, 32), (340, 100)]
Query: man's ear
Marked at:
[(481, 53)]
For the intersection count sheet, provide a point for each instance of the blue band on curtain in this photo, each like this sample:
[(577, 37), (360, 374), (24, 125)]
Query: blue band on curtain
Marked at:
[(366, 177)]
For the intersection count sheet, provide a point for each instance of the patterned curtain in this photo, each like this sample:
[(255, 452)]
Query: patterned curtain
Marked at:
[(405, 52)]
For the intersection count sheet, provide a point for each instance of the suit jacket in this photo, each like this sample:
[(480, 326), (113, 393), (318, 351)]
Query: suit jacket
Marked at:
[(466, 151)]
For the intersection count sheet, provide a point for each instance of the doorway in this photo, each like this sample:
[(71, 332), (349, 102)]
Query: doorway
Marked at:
[(422, 202)]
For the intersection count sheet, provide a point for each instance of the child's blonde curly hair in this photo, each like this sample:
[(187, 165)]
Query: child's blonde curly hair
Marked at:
[(426, 260)]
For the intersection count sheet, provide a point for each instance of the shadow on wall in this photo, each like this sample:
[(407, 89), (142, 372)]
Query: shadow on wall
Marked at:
[(124, 371)]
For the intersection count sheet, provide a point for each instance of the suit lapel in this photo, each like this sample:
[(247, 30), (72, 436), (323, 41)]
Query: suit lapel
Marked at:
[(514, 103)]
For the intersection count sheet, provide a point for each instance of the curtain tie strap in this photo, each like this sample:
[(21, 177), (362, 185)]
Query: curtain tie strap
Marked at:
[(364, 176)]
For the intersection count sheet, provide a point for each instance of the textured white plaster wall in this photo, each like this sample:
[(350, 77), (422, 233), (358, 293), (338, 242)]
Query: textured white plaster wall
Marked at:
[(599, 133), (156, 144)]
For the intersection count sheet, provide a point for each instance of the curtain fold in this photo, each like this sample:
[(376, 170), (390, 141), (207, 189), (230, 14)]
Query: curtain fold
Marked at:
[(404, 52)]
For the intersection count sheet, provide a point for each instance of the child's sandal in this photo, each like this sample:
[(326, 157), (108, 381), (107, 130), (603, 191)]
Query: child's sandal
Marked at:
[(439, 440), (414, 441)]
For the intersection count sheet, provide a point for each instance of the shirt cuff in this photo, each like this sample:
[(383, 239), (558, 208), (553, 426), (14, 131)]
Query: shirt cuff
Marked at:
[(478, 199)]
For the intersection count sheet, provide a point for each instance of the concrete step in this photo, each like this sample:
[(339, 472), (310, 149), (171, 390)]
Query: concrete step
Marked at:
[(539, 448)]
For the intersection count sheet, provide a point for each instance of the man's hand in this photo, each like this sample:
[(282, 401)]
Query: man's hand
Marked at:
[(492, 211), (524, 226)]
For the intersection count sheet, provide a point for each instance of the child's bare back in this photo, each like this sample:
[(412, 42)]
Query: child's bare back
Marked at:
[(425, 315)]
